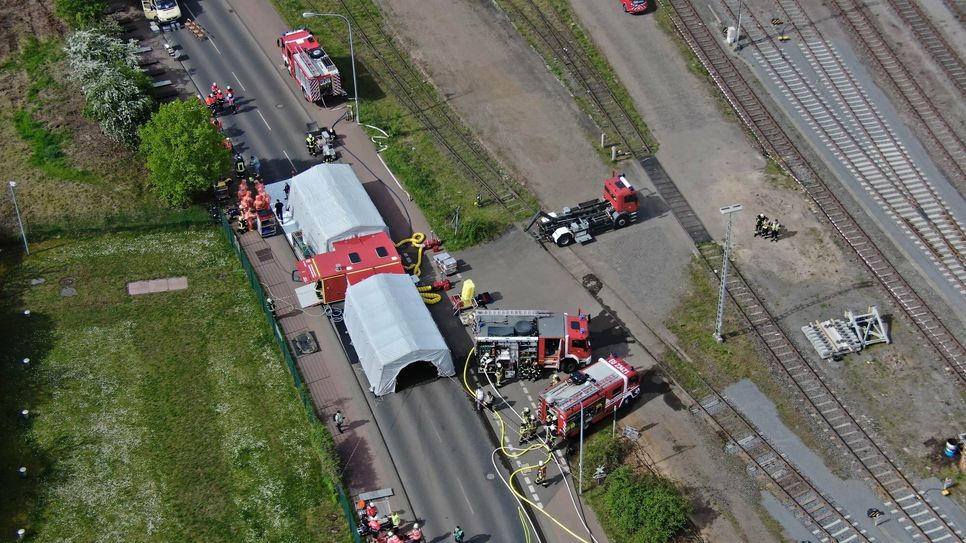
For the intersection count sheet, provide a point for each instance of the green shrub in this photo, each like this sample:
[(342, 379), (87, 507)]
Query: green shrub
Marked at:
[(80, 13), (644, 509)]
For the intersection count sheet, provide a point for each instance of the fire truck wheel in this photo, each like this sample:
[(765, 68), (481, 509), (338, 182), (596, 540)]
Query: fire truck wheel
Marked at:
[(565, 240), (621, 221), (568, 365)]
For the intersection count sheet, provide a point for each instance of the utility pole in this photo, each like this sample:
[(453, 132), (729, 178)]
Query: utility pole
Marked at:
[(16, 208), (738, 26), (723, 287)]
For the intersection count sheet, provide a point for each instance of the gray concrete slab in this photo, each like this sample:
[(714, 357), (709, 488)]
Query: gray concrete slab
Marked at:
[(853, 497)]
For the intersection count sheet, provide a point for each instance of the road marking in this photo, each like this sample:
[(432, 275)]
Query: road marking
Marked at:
[(289, 159), (436, 431), (240, 84), (524, 387), (264, 121), (465, 497)]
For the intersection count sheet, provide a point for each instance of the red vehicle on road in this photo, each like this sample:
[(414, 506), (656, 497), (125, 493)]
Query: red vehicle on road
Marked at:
[(635, 6)]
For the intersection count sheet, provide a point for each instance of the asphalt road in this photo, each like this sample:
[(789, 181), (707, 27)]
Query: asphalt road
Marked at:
[(442, 455)]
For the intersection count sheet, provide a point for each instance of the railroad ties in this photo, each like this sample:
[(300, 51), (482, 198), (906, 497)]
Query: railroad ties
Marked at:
[(826, 520), (779, 146), (831, 412), (418, 95)]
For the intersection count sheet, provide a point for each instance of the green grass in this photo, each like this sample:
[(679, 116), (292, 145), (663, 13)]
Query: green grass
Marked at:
[(164, 417), (722, 364), (779, 177), (597, 59), (437, 186)]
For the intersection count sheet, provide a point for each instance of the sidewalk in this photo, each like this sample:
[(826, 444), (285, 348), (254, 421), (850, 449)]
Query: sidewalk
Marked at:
[(330, 380)]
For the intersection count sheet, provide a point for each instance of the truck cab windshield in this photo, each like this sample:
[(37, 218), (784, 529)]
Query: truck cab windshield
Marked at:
[(166, 4)]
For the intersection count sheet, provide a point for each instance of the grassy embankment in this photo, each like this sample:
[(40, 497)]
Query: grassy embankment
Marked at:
[(162, 417), (437, 185)]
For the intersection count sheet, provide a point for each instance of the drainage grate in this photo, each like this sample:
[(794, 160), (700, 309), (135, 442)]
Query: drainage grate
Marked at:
[(305, 343), (264, 255)]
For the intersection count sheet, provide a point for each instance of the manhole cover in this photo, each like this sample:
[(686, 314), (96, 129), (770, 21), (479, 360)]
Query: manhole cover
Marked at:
[(264, 255), (67, 292), (67, 281), (305, 344), (490, 476), (279, 106)]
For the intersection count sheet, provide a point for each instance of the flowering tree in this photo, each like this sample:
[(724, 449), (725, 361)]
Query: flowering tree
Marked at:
[(184, 151), (106, 70)]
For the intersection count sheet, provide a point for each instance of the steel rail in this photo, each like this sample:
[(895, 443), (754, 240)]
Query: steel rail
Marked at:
[(779, 145), (418, 96), (932, 40), (867, 35), (860, 443), (868, 146), (564, 44)]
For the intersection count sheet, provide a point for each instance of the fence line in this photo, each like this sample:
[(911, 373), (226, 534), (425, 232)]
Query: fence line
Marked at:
[(340, 494)]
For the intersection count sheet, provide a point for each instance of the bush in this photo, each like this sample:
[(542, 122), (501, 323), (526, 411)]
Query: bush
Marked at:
[(601, 449), (645, 509), (80, 13), (106, 69), (184, 151)]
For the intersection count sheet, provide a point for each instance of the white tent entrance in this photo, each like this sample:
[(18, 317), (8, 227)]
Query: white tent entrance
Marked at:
[(391, 328)]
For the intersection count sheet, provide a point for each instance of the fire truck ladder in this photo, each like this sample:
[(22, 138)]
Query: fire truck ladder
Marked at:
[(582, 394), (515, 312)]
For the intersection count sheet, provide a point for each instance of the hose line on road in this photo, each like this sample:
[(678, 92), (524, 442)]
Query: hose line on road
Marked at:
[(506, 452)]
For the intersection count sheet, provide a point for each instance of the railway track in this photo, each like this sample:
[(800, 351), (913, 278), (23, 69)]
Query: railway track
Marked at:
[(778, 144), (558, 37), (861, 444), (910, 94), (849, 125), (392, 67), (932, 40), (826, 520)]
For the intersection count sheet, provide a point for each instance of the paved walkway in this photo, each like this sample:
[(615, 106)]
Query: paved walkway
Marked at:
[(330, 380)]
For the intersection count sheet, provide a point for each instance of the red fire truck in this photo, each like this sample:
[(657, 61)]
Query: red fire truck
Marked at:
[(512, 336), (598, 390), (308, 64)]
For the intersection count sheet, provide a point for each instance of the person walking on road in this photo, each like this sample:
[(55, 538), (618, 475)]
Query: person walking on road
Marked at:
[(541, 478), (287, 189), (279, 208), (458, 535), (339, 419), (479, 399), (256, 165)]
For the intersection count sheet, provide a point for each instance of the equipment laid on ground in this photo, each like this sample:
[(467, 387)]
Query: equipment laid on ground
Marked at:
[(513, 337), (444, 263), (597, 391), (617, 209), (309, 65), (162, 11), (267, 222), (321, 143), (221, 191), (835, 338)]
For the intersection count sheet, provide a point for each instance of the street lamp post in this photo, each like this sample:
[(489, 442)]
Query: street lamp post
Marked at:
[(352, 53), (16, 208)]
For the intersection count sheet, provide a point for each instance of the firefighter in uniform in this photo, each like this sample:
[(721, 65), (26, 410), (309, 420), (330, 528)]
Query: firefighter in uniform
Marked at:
[(760, 222), (310, 143), (775, 230), (541, 478), (555, 379), (240, 166), (500, 373)]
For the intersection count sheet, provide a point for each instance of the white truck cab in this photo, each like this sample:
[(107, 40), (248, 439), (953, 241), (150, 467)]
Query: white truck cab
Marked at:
[(162, 11)]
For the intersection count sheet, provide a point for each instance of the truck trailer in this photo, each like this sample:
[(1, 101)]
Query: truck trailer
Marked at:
[(617, 209)]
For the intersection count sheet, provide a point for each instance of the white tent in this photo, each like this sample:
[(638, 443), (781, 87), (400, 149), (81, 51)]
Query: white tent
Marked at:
[(391, 328), (328, 203)]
